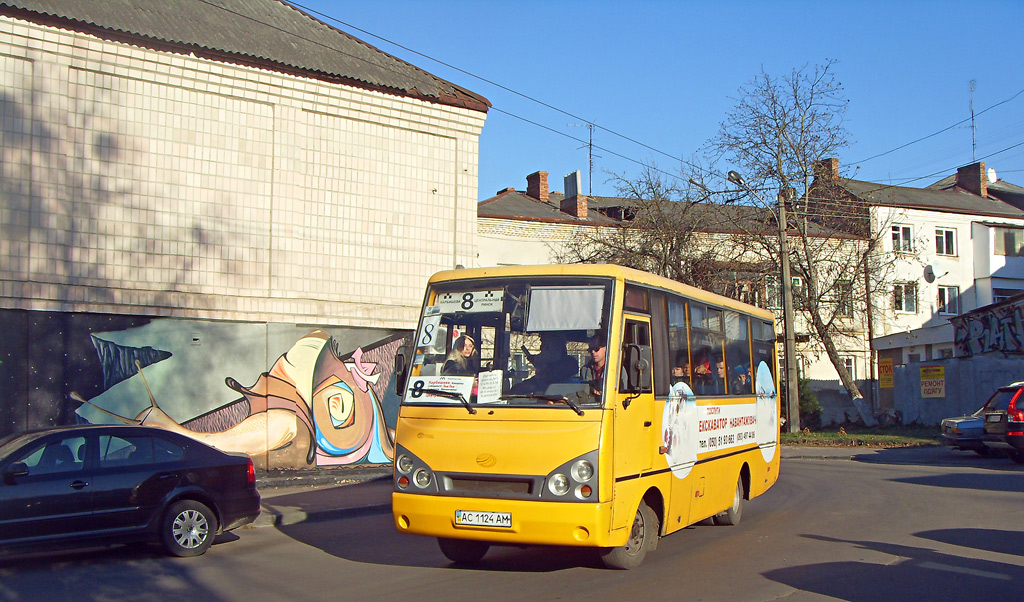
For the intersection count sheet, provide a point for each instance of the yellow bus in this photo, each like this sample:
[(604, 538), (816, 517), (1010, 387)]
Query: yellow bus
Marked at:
[(580, 405)]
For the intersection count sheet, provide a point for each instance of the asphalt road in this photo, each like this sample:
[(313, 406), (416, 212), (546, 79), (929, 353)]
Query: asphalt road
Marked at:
[(894, 525)]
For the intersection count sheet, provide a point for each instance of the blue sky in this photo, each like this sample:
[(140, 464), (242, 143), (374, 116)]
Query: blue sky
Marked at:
[(666, 73)]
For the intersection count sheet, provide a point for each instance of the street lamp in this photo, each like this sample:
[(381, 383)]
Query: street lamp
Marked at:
[(792, 385)]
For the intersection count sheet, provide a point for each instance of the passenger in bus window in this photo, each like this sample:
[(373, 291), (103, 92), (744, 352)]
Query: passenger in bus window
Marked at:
[(719, 380), (702, 377), (741, 381), (462, 361), (681, 369)]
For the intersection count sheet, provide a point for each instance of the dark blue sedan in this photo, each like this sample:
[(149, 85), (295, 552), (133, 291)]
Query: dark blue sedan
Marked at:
[(103, 484)]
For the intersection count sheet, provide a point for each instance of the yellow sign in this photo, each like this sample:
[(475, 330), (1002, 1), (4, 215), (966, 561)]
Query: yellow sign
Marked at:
[(885, 372), (933, 381)]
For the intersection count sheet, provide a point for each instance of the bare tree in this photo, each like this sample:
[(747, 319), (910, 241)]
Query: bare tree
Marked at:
[(779, 135), (662, 222)]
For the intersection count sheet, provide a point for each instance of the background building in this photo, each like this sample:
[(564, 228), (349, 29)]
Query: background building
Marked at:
[(234, 195)]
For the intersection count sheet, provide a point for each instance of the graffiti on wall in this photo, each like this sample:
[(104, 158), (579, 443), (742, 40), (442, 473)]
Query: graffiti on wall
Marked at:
[(315, 406), (997, 329)]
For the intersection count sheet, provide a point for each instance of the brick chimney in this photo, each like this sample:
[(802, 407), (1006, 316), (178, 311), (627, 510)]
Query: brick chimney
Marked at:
[(574, 203), (537, 186), (827, 170), (972, 178)]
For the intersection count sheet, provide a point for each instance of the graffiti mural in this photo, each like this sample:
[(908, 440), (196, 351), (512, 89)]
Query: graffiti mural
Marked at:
[(1000, 329), (317, 405)]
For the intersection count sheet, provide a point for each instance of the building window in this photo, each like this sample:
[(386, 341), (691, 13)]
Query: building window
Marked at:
[(799, 299), (1009, 241), (945, 241), (902, 239), (905, 298), (844, 298), (949, 300), (772, 293), (1002, 294), (849, 365)]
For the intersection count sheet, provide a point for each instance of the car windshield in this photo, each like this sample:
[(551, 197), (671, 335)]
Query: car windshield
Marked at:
[(517, 342), (12, 442)]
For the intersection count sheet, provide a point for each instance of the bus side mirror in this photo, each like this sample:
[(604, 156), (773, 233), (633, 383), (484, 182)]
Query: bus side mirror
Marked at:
[(401, 372), (636, 363)]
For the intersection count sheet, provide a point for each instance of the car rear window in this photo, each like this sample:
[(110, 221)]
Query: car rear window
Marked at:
[(1001, 400)]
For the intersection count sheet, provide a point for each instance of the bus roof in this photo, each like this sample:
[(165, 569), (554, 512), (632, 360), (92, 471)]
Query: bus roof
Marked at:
[(607, 270)]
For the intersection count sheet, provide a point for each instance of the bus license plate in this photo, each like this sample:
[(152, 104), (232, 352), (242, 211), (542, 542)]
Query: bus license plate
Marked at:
[(474, 518)]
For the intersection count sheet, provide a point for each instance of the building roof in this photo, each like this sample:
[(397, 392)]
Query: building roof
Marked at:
[(609, 211), (271, 33), (1000, 189), (952, 200), (516, 204)]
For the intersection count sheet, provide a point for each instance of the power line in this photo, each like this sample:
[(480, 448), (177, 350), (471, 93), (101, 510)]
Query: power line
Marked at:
[(590, 123)]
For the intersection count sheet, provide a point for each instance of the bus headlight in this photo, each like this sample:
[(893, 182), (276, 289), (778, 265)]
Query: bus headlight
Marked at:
[(421, 478), (582, 471), (558, 484), (404, 464)]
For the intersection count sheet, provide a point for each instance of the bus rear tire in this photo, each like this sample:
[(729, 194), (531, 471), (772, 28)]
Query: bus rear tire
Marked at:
[(462, 551), (735, 512), (643, 537)]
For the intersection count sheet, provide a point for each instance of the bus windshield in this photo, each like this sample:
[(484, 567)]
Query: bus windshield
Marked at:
[(537, 342)]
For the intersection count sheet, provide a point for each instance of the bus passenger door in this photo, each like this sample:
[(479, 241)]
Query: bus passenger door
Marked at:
[(634, 435)]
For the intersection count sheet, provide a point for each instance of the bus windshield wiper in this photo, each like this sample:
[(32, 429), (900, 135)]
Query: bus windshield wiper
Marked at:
[(451, 395), (548, 398)]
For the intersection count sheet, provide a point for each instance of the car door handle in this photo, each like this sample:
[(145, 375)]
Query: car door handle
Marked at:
[(78, 484), (166, 477)]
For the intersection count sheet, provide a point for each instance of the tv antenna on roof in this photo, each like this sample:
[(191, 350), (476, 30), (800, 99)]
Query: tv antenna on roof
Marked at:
[(590, 153)]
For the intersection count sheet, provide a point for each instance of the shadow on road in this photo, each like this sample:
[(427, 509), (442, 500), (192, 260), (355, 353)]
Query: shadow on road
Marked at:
[(992, 540), (373, 539), (912, 574), (986, 482), (934, 456)]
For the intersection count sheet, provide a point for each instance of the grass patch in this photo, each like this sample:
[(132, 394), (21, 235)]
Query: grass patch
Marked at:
[(895, 436)]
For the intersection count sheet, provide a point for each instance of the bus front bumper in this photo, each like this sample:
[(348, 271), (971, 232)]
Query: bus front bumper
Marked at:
[(532, 522)]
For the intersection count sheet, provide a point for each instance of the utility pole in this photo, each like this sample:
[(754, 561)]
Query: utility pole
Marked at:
[(792, 378), (788, 317)]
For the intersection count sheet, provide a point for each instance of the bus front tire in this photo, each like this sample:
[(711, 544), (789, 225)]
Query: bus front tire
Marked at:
[(643, 537), (462, 551), (735, 512)]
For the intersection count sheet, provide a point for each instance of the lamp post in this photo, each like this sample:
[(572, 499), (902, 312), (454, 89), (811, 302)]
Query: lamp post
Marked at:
[(792, 384)]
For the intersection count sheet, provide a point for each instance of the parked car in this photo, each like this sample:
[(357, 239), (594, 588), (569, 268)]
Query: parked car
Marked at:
[(1004, 421), (104, 484), (966, 432)]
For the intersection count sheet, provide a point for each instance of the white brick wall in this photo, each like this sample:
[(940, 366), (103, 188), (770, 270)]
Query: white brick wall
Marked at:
[(137, 181)]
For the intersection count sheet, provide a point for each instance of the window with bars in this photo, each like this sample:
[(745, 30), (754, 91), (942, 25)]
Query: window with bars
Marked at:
[(844, 298), (905, 297)]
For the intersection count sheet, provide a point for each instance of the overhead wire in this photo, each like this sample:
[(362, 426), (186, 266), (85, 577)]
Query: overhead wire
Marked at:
[(701, 169)]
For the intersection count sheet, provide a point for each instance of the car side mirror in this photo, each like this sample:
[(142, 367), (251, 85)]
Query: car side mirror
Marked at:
[(16, 469)]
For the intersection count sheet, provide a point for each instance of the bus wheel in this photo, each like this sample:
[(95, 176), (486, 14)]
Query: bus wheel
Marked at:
[(642, 538), (733, 514), (462, 551)]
